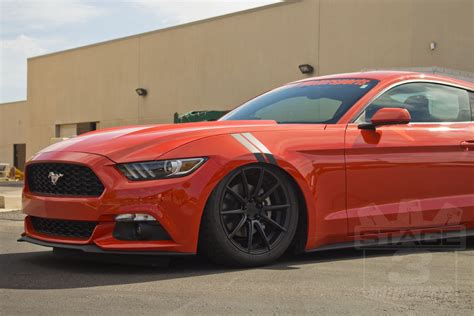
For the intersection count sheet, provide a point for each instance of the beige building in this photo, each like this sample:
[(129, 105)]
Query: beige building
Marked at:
[(218, 63), (13, 129)]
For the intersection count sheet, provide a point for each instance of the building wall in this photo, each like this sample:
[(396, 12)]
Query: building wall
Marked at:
[(358, 34), (221, 62), (224, 62), (13, 126), (89, 84), (214, 64)]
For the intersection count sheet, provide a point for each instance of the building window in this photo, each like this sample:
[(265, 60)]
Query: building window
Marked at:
[(86, 127), (71, 130)]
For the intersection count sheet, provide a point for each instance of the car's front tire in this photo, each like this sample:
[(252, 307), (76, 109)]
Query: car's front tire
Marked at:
[(251, 217)]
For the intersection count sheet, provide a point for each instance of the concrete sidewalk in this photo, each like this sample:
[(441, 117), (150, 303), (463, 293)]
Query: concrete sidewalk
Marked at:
[(12, 184), (11, 215), (10, 196)]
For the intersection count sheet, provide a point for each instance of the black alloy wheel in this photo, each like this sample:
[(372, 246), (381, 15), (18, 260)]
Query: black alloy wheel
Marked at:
[(251, 216)]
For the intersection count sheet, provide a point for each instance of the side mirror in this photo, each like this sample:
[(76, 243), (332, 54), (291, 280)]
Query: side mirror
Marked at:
[(387, 116)]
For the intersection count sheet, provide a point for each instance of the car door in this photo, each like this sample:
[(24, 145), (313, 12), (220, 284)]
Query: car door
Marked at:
[(416, 175)]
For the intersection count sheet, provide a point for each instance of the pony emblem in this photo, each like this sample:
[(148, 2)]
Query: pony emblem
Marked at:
[(54, 177)]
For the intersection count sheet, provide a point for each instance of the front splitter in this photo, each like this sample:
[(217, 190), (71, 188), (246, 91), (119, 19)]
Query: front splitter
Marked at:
[(96, 249)]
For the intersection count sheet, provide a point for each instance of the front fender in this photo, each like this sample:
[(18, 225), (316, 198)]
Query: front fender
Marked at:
[(226, 153)]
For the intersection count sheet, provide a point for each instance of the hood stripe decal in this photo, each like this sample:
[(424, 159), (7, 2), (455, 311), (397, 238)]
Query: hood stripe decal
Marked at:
[(242, 140), (257, 143), (255, 146), (261, 146)]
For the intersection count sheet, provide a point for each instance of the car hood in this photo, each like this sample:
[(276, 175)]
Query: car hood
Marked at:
[(136, 143)]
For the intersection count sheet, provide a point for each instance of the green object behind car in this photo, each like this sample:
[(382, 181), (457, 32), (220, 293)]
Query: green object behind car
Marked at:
[(198, 116)]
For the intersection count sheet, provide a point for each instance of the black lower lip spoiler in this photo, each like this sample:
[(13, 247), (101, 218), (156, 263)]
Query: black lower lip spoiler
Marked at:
[(98, 250)]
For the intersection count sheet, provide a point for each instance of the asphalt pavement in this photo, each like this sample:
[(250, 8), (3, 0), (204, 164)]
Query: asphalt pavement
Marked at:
[(34, 281)]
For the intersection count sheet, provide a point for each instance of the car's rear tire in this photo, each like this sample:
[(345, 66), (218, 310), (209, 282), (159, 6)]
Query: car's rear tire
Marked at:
[(251, 217)]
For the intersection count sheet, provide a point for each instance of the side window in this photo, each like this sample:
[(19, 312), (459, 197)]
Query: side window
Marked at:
[(426, 102)]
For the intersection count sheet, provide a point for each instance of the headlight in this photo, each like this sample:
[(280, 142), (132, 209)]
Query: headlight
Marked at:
[(160, 169)]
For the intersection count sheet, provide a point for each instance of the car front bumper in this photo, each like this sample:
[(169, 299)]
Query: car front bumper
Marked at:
[(177, 205)]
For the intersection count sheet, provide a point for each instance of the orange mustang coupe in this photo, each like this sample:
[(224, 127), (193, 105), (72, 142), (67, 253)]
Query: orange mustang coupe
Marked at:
[(316, 164)]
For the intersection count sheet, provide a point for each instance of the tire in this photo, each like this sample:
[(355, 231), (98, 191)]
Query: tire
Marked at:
[(250, 218)]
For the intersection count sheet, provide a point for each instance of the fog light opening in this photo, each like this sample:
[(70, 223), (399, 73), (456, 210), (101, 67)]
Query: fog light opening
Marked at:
[(139, 227), (138, 217)]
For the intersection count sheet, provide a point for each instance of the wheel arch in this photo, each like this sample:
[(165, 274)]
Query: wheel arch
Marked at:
[(300, 240), (301, 237)]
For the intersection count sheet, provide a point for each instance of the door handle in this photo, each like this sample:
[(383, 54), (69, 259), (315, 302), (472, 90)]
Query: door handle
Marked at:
[(467, 144)]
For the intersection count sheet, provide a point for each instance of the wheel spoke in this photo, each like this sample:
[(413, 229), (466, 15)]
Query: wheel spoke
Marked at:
[(230, 212), (259, 183), (245, 184), (269, 192), (273, 223), (263, 235), (235, 195), (250, 239), (239, 226), (276, 207)]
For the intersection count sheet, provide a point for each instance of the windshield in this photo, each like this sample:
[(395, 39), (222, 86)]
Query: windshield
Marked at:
[(309, 102)]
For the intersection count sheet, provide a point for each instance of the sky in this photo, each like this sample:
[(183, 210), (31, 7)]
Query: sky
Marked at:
[(36, 27)]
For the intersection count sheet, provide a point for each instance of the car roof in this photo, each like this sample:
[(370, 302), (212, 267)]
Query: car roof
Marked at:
[(389, 75)]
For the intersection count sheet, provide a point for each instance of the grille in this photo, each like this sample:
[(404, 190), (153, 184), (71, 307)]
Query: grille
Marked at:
[(63, 228), (74, 180)]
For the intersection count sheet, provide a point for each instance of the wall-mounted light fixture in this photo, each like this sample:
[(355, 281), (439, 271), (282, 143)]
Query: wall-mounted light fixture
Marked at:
[(141, 92), (306, 69), (433, 45)]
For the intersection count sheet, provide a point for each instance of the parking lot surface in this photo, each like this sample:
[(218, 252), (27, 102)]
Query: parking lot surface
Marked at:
[(34, 281)]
